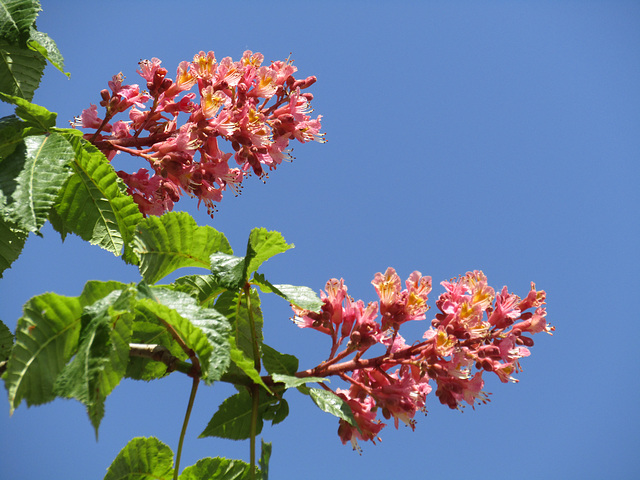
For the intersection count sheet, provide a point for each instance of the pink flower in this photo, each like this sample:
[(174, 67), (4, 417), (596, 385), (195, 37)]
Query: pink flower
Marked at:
[(148, 68), (90, 119), (365, 416)]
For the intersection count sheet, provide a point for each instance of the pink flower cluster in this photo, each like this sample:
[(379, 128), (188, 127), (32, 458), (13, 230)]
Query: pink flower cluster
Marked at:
[(475, 331), (257, 108)]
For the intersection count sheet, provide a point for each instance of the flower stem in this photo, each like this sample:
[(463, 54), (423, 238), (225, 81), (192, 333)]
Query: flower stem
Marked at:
[(192, 396)]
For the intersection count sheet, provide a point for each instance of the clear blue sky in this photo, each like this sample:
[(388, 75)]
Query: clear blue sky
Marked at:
[(501, 136)]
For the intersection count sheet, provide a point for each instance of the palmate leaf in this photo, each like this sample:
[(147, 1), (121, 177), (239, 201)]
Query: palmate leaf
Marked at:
[(142, 459), (20, 70), (93, 203), (12, 241), (301, 297), (218, 469), (103, 353), (192, 336), (11, 128), (233, 418), (262, 246), (17, 17), (276, 362), (233, 305), (46, 338), (45, 46), (212, 324), (173, 241), (244, 363), (6, 342), (45, 169), (33, 115), (330, 403), (228, 270), (204, 288)]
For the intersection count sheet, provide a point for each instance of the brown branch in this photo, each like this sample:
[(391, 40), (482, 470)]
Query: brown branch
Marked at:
[(160, 353), (133, 141)]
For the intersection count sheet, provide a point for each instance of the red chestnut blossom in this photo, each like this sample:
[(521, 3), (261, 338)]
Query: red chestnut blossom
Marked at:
[(476, 331), (258, 109)]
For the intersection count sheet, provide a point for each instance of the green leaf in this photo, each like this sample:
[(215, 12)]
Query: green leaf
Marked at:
[(228, 270), (45, 46), (291, 381), (95, 290), (204, 288), (233, 418), (276, 412), (6, 342), (192, 336), (265, 455), (20, 70), (233, 305), (11, 128), (93, 203), (46, 338), (33, 115), (173, 241), (218, 469), (16, 17), (331, 403), (12, 240), (142, 459), (149, 330), (102, 356), (262, 246), (211, 323), (301, 297), (245, 364), (276, 362), (45, 170)]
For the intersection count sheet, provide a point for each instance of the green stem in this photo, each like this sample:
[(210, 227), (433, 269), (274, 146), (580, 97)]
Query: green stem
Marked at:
[(254, 335), (255, 397), (192, 397), (255, 389)]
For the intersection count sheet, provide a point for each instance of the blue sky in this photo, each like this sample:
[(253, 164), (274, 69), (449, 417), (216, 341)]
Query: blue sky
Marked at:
[(500, 136)]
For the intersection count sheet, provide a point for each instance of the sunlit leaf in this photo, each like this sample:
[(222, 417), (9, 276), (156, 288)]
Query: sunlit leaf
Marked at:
[(93, 203), (204, 288), (17, 17), (244, 363), (233, 305), (45, 170), (228, 270), (301, 297), (173, 241), (331, 403), (46, 338), (103, 353), (211, 323), (33, 115), (142, 459), (262, 246), (20, 70), (45, 46), (291, 381), (218, 469)]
